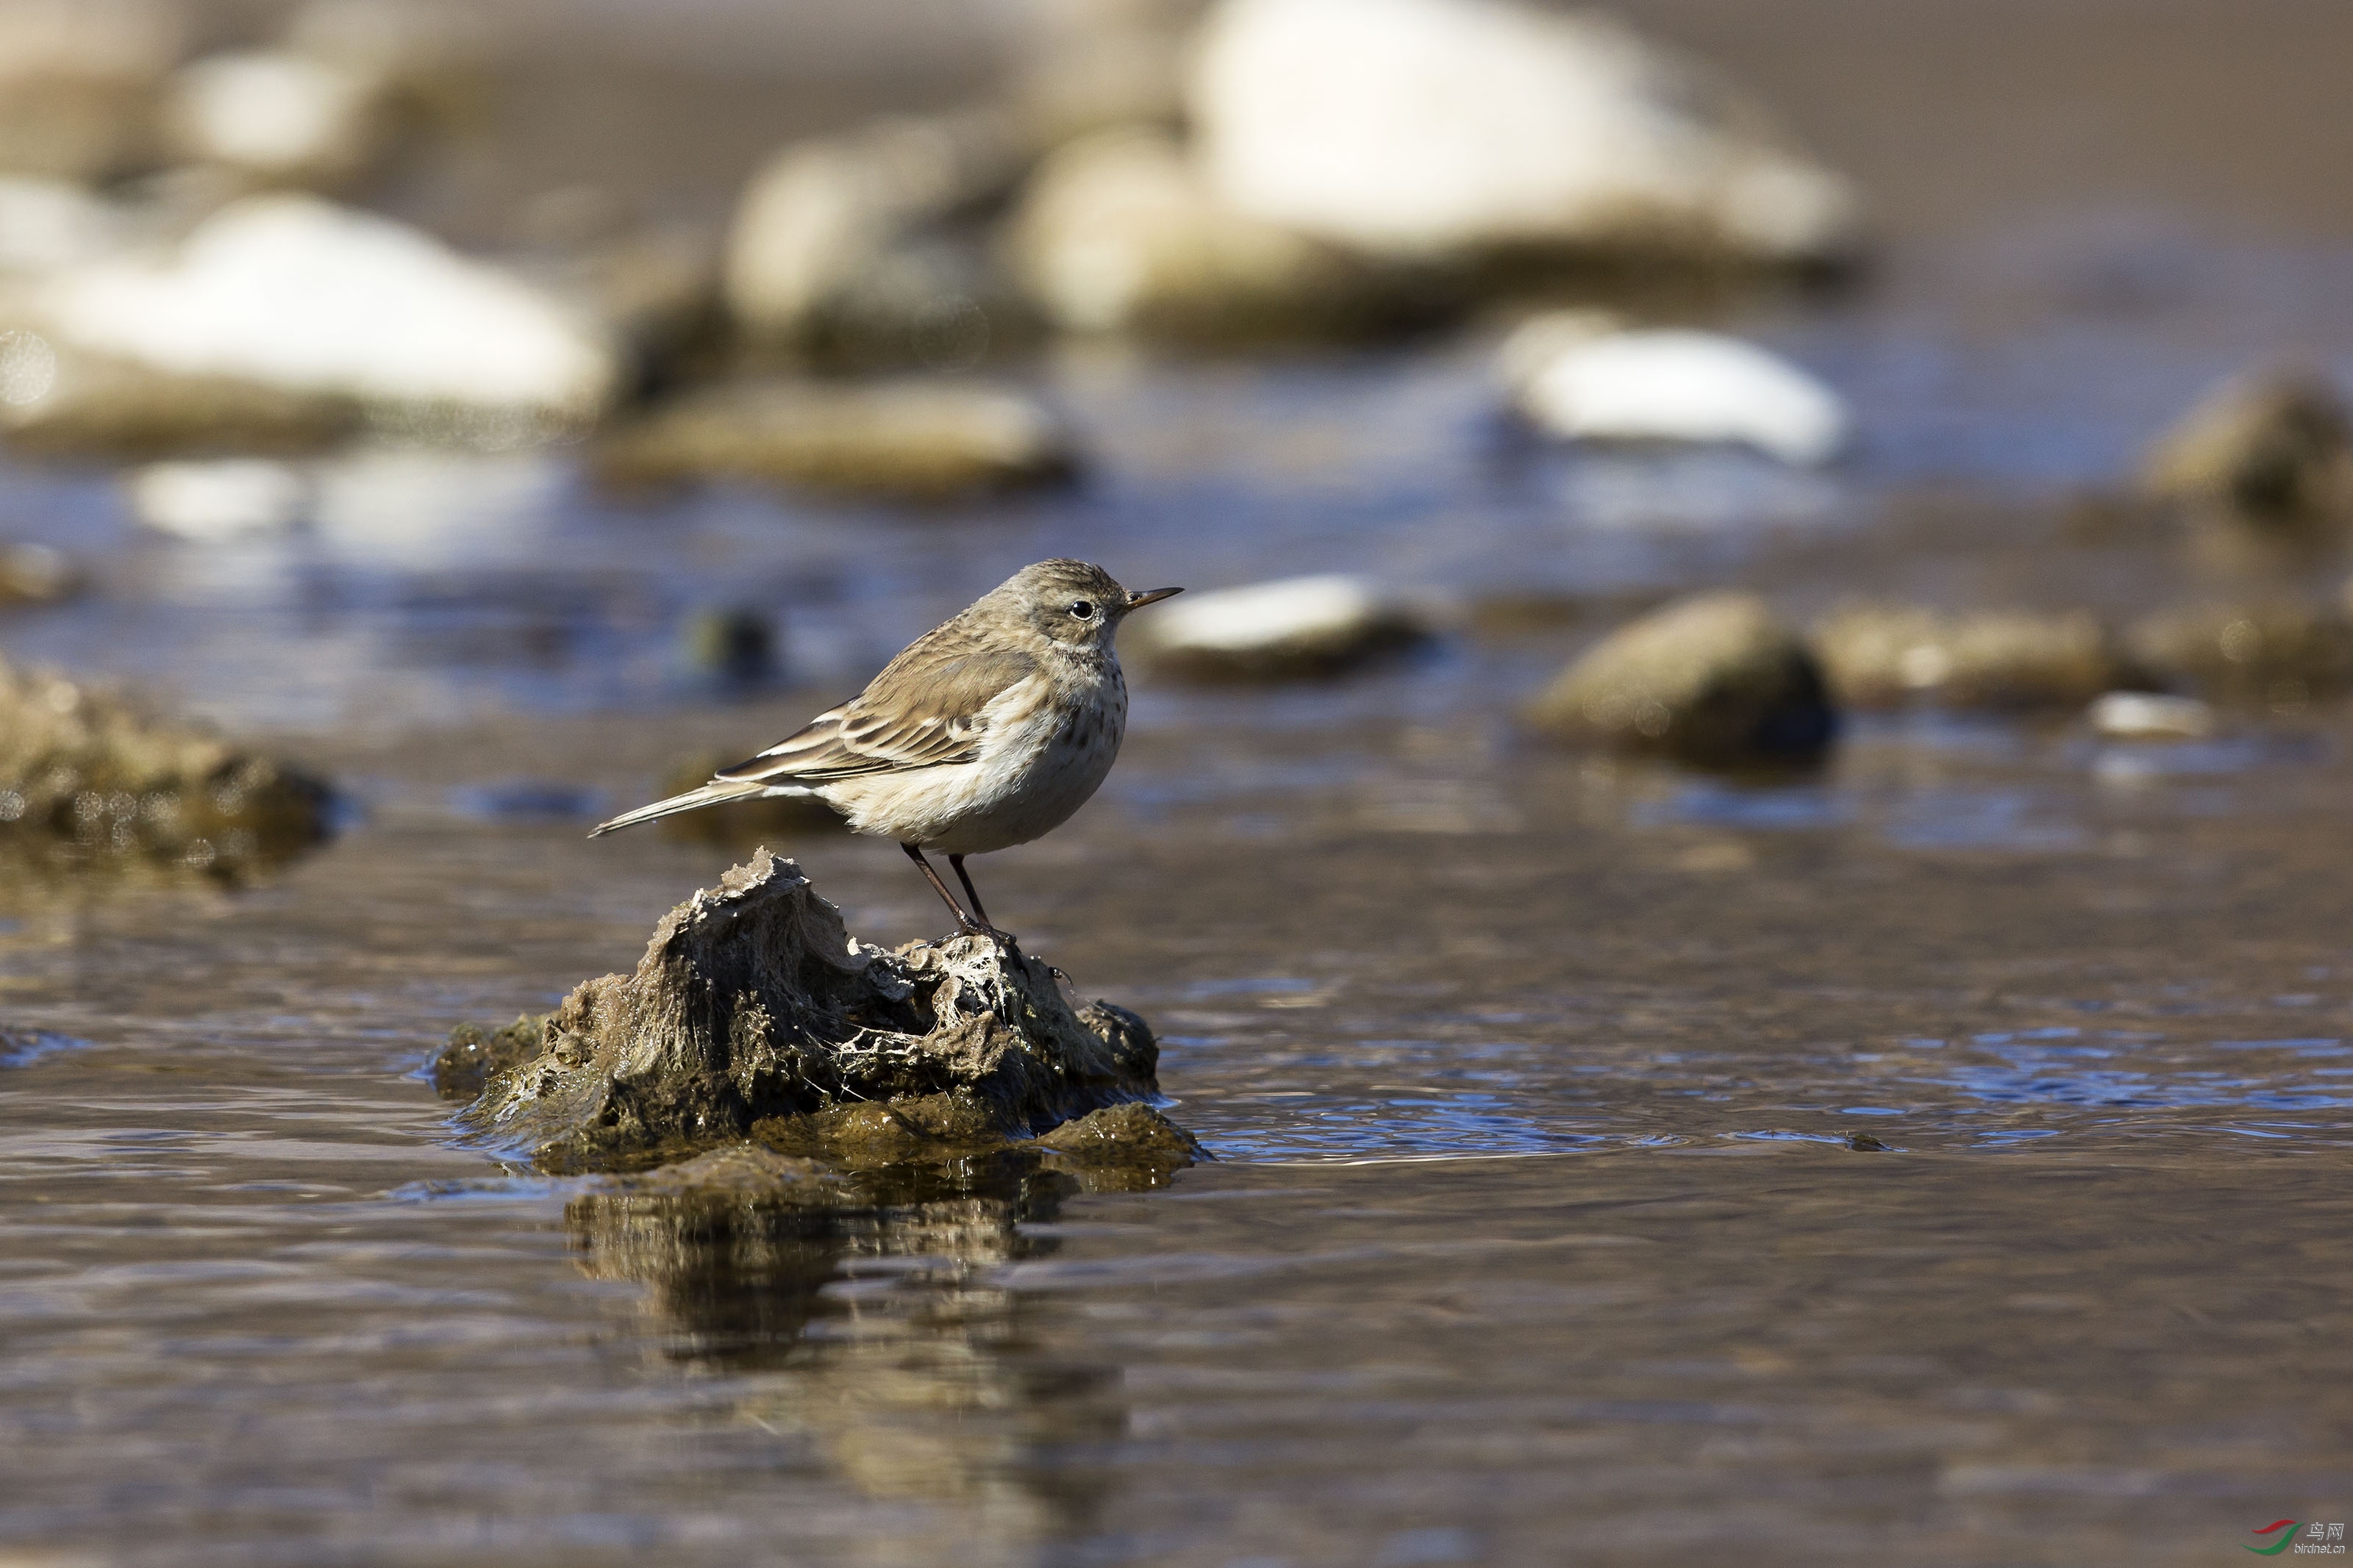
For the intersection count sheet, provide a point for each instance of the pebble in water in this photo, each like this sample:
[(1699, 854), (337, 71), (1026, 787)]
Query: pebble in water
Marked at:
[(913, 439), (1883, 656), (2272, 449), (1574, 376), (2151, 716), (1713, 680), (1294, 627)]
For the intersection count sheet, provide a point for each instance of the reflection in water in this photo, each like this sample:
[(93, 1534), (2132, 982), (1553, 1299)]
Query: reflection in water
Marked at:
[(867, 1320)]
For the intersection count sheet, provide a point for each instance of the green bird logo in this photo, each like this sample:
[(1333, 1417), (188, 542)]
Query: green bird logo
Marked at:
[(2286, 1528)]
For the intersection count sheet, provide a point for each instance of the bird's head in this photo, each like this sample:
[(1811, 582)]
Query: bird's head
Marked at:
[(1071, 602)]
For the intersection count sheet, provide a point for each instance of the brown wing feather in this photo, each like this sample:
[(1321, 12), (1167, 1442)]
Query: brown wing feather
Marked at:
[(925, 710)]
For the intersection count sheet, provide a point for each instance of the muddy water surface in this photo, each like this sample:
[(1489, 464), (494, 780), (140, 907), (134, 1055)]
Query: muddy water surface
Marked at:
[(1541, 1233)]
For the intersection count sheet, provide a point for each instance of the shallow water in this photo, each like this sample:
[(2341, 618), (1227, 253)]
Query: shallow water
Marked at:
[(1944, 1159), (1538, 1231)]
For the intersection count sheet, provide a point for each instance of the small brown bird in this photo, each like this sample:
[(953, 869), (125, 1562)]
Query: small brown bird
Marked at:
[(985, 732)]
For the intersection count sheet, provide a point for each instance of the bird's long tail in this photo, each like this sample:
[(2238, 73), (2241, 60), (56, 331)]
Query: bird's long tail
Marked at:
[(717, 792)]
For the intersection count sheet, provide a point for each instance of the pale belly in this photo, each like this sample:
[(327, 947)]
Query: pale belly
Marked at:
[(1026, 784)]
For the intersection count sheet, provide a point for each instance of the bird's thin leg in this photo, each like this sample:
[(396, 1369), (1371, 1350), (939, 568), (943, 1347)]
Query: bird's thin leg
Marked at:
[(973, 893), (970, 892), (938, 886), (963, 922)]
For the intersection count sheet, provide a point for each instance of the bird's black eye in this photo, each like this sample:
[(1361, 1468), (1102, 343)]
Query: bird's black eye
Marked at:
[(1084, 609)]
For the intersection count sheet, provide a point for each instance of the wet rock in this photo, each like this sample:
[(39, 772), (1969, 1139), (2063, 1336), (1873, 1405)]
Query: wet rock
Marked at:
[(1290, 628), (57, 401), (1124, 1135), (1119, 233), (844, 237), (210, 503), (911, 440), (278, 119), (2281, 654), (1883, 656), (1713, 680), (2150, 716), (78, 84), (36, 575), (753, 1011), (917, 1128), (1429, 128), (1576, 375), (87, 768), (466, 1063), (739, 824), (2273, 448), (296, 295)]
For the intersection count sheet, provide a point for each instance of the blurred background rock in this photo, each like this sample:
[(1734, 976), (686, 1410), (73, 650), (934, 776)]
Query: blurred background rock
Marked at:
[(951, 260)]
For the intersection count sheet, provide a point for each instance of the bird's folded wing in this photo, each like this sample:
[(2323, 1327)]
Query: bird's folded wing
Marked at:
[(929, 709)]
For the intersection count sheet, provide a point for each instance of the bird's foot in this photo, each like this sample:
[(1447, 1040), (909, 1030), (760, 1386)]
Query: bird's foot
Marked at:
[(1003, 939)]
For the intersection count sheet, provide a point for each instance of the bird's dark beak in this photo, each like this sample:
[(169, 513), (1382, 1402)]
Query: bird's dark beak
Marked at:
[(1151, 596)]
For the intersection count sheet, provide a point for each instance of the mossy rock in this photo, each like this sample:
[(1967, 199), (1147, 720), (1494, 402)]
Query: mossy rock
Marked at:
[(86, 768), (753, 1016)]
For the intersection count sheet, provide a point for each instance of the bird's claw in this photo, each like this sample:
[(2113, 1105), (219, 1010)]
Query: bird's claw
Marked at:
[(1004, 939)]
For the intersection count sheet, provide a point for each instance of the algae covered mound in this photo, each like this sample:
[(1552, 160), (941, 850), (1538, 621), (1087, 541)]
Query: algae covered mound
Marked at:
[(755, 1015), (86, 767)]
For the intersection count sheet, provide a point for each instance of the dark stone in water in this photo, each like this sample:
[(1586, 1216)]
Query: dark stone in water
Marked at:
[(753, 1016), (2270, 449)]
